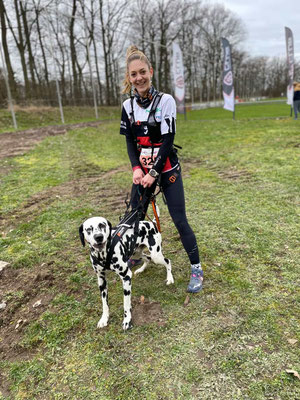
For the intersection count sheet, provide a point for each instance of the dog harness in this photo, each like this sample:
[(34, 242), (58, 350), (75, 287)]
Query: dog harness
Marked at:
[(131, 219)]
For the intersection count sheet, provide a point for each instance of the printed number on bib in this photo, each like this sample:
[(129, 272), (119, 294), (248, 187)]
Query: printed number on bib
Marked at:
[(148, 156)]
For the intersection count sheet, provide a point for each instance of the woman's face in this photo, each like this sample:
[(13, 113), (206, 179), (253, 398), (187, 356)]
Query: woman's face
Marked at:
[(140, 76)]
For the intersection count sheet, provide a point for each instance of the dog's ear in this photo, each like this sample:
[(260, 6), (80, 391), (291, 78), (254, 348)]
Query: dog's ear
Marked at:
[(81, 235), (110, 229)]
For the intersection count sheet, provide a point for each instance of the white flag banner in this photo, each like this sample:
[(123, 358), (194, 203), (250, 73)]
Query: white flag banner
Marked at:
[(227, 81), (178, 76), (290, 63)]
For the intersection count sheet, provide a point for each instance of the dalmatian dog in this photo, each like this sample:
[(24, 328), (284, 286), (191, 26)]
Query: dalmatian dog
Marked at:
[(97, 232)]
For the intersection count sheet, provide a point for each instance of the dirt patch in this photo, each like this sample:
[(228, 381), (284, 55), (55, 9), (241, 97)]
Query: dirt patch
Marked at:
[(14, 319), (26, 297), (17, 143), (75, 188), (229, 174), (233, 174), (146, 312)]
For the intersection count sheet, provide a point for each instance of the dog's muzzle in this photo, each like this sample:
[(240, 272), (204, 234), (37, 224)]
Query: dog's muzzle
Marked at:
[(98, 238)]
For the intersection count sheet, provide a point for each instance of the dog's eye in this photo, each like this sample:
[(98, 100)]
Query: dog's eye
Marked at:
[(101, 226), (88, 231)]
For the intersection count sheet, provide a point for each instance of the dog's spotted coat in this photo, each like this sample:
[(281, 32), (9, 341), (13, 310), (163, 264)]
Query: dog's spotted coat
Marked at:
[(97, 232)]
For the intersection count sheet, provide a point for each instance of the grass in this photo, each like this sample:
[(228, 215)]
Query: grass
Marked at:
[(233, 341), (33, 117)]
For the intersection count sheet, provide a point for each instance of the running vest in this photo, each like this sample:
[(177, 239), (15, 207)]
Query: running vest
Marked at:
[(152, 125), (149, 138)]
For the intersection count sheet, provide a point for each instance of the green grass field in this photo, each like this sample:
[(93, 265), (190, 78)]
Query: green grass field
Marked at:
[(234, 340), (32, 117)]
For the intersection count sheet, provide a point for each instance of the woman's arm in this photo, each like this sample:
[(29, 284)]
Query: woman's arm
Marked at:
[(168, 128)]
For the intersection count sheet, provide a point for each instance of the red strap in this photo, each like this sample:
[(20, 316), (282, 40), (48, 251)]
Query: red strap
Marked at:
[(156, 215)]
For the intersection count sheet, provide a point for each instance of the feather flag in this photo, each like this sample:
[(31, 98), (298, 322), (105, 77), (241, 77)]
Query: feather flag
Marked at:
[(227, 81), (178, 76), (290, 63)]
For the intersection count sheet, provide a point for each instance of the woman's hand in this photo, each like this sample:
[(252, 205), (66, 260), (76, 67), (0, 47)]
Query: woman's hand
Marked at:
[(138, 175), (147, 181)]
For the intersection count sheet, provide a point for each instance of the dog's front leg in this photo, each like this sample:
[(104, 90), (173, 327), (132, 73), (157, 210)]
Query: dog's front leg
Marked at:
[(126, 280), (104, 297)]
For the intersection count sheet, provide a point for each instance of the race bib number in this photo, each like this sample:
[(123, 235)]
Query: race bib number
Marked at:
[(148, 156)]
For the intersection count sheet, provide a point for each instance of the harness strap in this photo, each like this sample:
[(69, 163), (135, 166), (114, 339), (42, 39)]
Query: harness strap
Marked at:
[(155, 214), (132, 113), (121, 229), (154, 105)]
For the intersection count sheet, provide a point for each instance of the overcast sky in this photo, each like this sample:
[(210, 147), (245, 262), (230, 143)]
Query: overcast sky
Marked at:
[(264, 23)]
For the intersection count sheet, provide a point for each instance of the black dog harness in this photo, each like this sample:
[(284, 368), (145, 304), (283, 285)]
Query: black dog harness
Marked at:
[(131, 219)]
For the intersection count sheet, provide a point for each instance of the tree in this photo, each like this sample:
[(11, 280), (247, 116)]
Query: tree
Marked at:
[(10, 72), (111, 16)]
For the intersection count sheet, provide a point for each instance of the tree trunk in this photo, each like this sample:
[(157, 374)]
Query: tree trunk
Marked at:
[(10, 72), (76, 90), (46, 72), (105, 51), (21, 47), (28, 48)]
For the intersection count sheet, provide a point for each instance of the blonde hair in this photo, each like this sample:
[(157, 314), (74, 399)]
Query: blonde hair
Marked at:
[(133, 53)]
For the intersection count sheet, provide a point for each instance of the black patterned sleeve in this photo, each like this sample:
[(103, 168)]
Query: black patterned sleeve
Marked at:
[(125, 128)]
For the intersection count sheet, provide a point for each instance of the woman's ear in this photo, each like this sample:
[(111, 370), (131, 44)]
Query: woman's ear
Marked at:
[(151, 72)]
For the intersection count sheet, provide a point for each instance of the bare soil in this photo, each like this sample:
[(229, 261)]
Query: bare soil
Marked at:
[(17, 143)]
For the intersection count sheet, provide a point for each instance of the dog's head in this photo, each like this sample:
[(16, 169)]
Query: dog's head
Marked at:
[(96, 231)]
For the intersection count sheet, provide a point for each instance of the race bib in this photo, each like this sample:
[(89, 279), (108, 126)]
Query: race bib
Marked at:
[(148, 156)]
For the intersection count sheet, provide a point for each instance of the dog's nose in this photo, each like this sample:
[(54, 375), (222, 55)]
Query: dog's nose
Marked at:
[(98, 237)]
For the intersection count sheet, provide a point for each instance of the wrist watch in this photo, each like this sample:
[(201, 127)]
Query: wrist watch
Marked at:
[(153, 173)]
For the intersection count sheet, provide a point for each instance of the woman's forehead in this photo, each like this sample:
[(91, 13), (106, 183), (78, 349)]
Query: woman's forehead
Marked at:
[(136, 65)]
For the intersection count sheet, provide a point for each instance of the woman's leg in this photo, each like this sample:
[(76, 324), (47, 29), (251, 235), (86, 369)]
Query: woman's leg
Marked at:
[(296, 109), (298, 106), (174, 194)]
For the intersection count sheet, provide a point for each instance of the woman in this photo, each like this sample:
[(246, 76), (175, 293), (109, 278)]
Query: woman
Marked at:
[(148, 122), (296, 99)]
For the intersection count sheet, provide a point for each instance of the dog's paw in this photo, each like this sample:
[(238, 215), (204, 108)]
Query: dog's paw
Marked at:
[(127, 325), (102, 322), (170, 280), (138, 271)]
